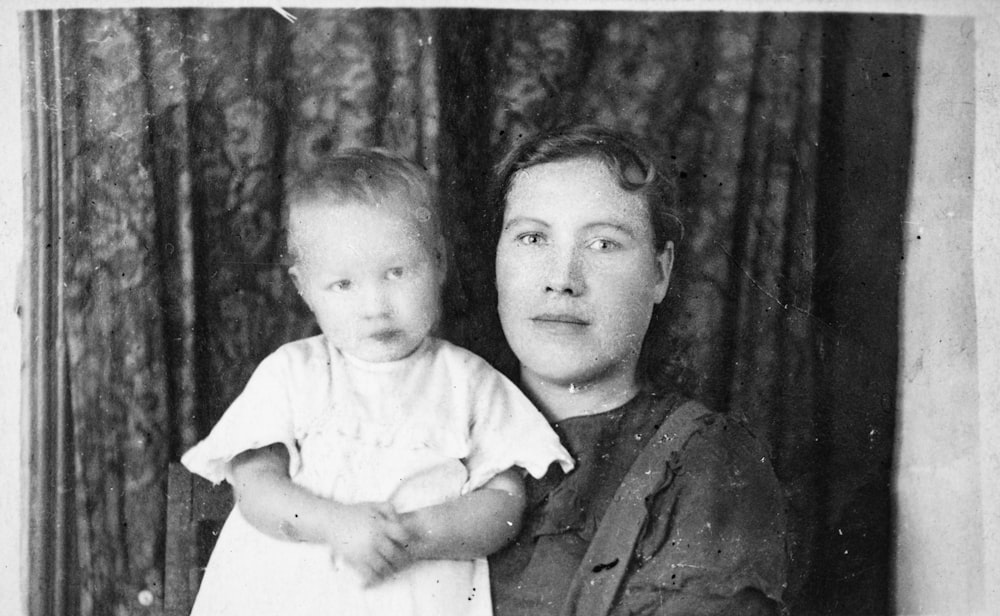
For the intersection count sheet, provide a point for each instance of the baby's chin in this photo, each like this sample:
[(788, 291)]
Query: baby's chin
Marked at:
[(384, 347)]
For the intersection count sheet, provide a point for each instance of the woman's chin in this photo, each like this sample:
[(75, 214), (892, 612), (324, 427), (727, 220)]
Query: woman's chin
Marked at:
[(572, 375)]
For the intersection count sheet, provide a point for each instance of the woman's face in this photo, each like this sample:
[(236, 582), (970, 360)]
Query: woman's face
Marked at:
[(577, 274)]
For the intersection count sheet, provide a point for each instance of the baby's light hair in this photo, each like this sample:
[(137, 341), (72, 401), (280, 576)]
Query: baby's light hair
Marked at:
[(366, 176)]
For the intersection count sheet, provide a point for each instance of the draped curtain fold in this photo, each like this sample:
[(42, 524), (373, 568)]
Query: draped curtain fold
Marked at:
[(176, 130)]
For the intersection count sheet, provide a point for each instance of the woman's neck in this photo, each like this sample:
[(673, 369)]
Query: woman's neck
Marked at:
[(558, 401)]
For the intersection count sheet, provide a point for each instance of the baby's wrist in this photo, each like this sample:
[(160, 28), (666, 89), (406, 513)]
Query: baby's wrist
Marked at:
[(333, 522), (415, 524)]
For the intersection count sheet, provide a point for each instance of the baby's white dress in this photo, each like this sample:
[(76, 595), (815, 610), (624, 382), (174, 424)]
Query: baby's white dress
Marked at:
[(414, 432)]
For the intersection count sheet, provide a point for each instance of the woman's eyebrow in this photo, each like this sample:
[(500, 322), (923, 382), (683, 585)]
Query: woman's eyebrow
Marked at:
[(621, 227), (519, 220)]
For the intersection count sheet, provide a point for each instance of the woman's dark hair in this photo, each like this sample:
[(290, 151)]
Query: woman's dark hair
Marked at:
[(625, 156), (662, 363)]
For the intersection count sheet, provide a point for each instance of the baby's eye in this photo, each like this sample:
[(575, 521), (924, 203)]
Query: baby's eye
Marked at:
[(529, 238), (394, 273), (339, 285), (602, 244)]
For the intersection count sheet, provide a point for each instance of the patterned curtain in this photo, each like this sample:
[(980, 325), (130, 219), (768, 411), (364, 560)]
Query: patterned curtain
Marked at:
[(160, 142)]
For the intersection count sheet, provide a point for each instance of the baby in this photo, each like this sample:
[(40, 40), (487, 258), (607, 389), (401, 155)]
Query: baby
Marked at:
[(403, 448)]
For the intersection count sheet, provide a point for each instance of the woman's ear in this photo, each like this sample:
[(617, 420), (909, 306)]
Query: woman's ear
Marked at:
[(664, 265), (441, 252)]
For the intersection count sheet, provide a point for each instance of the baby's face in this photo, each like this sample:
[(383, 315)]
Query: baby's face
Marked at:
[(369, 277)]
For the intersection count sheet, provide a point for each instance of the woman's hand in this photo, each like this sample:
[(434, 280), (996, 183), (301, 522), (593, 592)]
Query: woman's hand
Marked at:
[(370, 538)]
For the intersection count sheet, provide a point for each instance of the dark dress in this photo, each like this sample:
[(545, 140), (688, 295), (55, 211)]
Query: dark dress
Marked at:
[(713, 541)]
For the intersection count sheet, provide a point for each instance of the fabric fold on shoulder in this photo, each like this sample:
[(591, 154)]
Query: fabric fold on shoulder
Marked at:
[(211, 459)]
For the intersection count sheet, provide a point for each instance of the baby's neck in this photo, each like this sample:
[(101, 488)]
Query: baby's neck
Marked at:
[(558, 401)]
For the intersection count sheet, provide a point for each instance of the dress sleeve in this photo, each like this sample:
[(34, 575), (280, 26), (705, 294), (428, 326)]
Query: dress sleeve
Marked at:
[(261, 415), (714, 539), (506, 431)]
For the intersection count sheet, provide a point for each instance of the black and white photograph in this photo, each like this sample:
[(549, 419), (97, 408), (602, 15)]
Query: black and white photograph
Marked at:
[(500, 309)]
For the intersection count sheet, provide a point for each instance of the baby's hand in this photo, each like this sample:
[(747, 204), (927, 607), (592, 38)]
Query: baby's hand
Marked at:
[(371, 539)]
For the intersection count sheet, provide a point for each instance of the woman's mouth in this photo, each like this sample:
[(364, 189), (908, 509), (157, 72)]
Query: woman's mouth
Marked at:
[(560, 322)]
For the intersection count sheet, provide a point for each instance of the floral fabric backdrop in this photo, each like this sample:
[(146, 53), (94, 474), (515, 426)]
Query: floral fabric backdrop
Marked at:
[(175, 129)]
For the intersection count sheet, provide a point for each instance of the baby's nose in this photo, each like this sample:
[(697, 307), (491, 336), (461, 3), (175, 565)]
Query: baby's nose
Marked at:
[(375, 301)]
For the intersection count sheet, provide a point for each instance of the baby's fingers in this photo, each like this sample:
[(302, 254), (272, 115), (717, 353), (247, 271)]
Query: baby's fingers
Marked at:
[(370, 575), (398, 533), (370, 569), (378, 569), (393, 553), (387, 511)]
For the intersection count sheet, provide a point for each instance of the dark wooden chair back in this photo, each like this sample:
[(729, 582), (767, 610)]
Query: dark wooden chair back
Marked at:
[(196, 510)]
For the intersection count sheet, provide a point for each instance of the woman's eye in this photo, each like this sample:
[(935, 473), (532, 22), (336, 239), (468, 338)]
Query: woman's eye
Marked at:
[(339, 285), (604, 244), (529, 238), (394, 273)]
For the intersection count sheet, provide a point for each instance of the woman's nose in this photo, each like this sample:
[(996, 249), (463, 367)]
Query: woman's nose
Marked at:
[(564, 273)]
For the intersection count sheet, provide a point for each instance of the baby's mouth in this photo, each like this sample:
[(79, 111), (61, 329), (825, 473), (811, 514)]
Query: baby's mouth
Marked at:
[(387, 335)]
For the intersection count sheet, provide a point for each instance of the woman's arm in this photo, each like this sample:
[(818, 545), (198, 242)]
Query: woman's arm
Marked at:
[(472, 526), (368, 536)]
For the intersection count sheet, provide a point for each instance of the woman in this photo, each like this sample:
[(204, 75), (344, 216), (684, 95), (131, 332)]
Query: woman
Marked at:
[(692, 523), (671, 509)]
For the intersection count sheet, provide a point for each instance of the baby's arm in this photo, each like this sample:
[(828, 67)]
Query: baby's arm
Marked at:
[(471, 526), (368, 536)]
